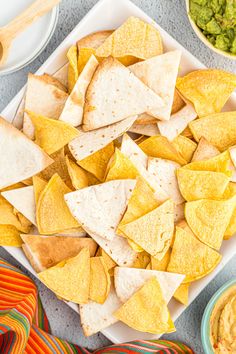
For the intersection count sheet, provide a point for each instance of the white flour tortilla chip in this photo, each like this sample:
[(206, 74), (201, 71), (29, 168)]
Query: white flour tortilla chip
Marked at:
[(23, 200), (100, 208), (159, 74), (95, 317), (62, 75), (130, 280), (145, 129), (93, 40), (178, 122), (45, 96), (164, 171), (114, 94), (74, 108), (88, 143), (20, 158)]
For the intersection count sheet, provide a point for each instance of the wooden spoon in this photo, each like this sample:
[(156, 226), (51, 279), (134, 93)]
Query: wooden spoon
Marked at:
[(20, 23)]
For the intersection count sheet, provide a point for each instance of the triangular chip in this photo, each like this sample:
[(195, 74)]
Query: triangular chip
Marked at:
[(69, 279), (146, 129), (62, 75), (207, 89), (72, 56), (38, 184), (159, 74), (45, 96), (10, 236), (146, 118), (52, 212), (219, 129), (179, 212), (164, 172), (177, 123), (79, 178), (74, 107), (185, 146), (162, 264), (100, 281), (99, 208), (130, 280), (93, 40), (146, 310), (23, 200), (181, 294), (142, 260), (153, 231), (20, 157), (204, 151), (134, 38), (202, 261), (110, 264), (114, 94), (52, 135), (209, 219), (88, 143), (178, 102), (46, 251), (98, 161)]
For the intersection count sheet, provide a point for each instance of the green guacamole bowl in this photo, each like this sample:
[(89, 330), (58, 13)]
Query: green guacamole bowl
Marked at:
[(203, 38)]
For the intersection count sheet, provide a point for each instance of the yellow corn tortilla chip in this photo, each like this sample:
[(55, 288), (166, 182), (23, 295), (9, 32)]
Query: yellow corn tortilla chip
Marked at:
[(39, 185), (209, 219), (98, 161), (191, 257), (133, 245), (187, 133), (178, 103), (181, 294), (149, 266), (195, 185), (207, 89), (52, 212), (162, 264), (120, 167), (153, 231), (230, 192), (142, 260), (13, 186), (185, 147), (134, 38), (52, 135), (147, 310), (159, 146), (79, 178), (110, 264), (100, 281), (10, 236), (219, 129), (83, 57), (73, 73), (204, 151), (70, 278), (92, 180)]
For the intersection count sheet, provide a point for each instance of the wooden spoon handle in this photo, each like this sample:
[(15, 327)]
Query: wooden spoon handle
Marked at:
[(27, 17)]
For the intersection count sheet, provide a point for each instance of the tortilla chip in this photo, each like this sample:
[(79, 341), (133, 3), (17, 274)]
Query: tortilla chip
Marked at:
[(38, 184), (46, 251), (187, 133), (110, 264), (120, 167), (100, 281), (88, 143), (95, 209), (13, 186), (62, 75), (98, 161), (209, 219), (153, 231), (207, 89), (203, 259), (134, 38), (109, 101), (159, 146), (164, 172), (146, 118), (147, 129), (178, 102), (72, 56), (185, 146), (179, 212), (142, 260), (93, 40), (69, 279), (181, 294), (204, 151), (92, 180), (52, 199), (74, 107), (219, 129), (52, 135), (10, 236), (150, 316), (162, 264), (195, 185), (159, 74), (177, 123), (78, 176)]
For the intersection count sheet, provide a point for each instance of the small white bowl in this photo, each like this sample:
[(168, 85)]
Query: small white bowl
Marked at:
[(204, 39)]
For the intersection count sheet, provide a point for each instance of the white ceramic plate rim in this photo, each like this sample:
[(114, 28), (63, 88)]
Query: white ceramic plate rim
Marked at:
[(107, 14)]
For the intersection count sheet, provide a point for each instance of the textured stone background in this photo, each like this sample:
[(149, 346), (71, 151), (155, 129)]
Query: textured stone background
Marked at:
[(171, 15)]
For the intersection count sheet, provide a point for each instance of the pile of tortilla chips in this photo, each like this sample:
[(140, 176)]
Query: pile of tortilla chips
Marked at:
[(117, 222)]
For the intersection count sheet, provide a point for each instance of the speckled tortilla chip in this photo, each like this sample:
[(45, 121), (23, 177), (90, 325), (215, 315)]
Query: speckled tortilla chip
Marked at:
[(185, 147), (181, 294), (73, 74), (70, 278), (204, 151), (100, 281), (79, 178), (191, 257), (10, 236), (207, 89), (219, 129), (147, 310)]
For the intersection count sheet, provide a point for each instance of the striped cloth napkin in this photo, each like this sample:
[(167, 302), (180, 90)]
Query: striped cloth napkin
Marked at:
[(24, 326)]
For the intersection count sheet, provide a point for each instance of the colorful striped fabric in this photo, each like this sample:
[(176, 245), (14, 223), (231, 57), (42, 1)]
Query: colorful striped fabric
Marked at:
[(24, 326)]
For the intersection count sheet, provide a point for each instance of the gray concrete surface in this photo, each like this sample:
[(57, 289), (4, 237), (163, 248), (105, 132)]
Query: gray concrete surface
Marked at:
[(171, 15)]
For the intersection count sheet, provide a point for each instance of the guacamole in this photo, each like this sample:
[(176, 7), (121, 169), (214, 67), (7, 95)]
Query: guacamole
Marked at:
[(217, 20)]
